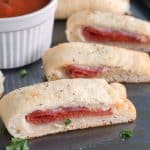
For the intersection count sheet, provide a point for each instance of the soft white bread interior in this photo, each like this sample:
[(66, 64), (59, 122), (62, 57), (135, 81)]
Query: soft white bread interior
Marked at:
[(108, 21), (68, 7), (90, 93), (125, 65), (1, 83)]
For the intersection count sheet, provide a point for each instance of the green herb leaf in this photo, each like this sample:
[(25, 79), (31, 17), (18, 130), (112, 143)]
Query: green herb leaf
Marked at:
[(18, 144), (23, 73), (67, 122), (126, 134)]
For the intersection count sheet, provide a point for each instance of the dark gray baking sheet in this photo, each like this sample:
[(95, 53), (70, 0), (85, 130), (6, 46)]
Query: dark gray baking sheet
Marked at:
[(105, 138)]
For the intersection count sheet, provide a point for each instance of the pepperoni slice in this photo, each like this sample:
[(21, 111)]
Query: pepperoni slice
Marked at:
[(108, 35), (83, 71), (42, 117)]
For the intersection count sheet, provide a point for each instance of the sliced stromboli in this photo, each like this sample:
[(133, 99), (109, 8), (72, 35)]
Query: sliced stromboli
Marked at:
[(1, 83), (82, 60), (46, 108), (68, 7), (111, 29)]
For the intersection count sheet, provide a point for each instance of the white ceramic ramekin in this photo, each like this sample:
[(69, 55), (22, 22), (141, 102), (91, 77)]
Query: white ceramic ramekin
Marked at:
[(24, 39)]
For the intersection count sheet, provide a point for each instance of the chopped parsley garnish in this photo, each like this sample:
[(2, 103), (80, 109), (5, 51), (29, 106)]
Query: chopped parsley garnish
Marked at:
[(126, 134), (18, 144), (23, 73), (67, 122)]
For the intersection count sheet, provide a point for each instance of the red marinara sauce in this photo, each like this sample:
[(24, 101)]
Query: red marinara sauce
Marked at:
[(13, 8)]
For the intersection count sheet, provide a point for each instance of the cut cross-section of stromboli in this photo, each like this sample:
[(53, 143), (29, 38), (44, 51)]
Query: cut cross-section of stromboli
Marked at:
[(68, 7), (82, 60), (123, 31), (45, 108)]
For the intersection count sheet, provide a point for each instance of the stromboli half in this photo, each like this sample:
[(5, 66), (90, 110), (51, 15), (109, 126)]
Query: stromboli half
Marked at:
[(123, 31), (1, 83), (92, 94), (72, 60), (68, 7)]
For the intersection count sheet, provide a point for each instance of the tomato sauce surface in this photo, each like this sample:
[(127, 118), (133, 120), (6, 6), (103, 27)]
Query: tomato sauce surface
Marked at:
[(40, 117), (13, 8)]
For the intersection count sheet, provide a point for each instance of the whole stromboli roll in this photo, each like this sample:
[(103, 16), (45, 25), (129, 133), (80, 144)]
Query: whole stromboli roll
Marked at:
[(84, 60), (98, 27), (64, 105), (1, 83), (68, 7)]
